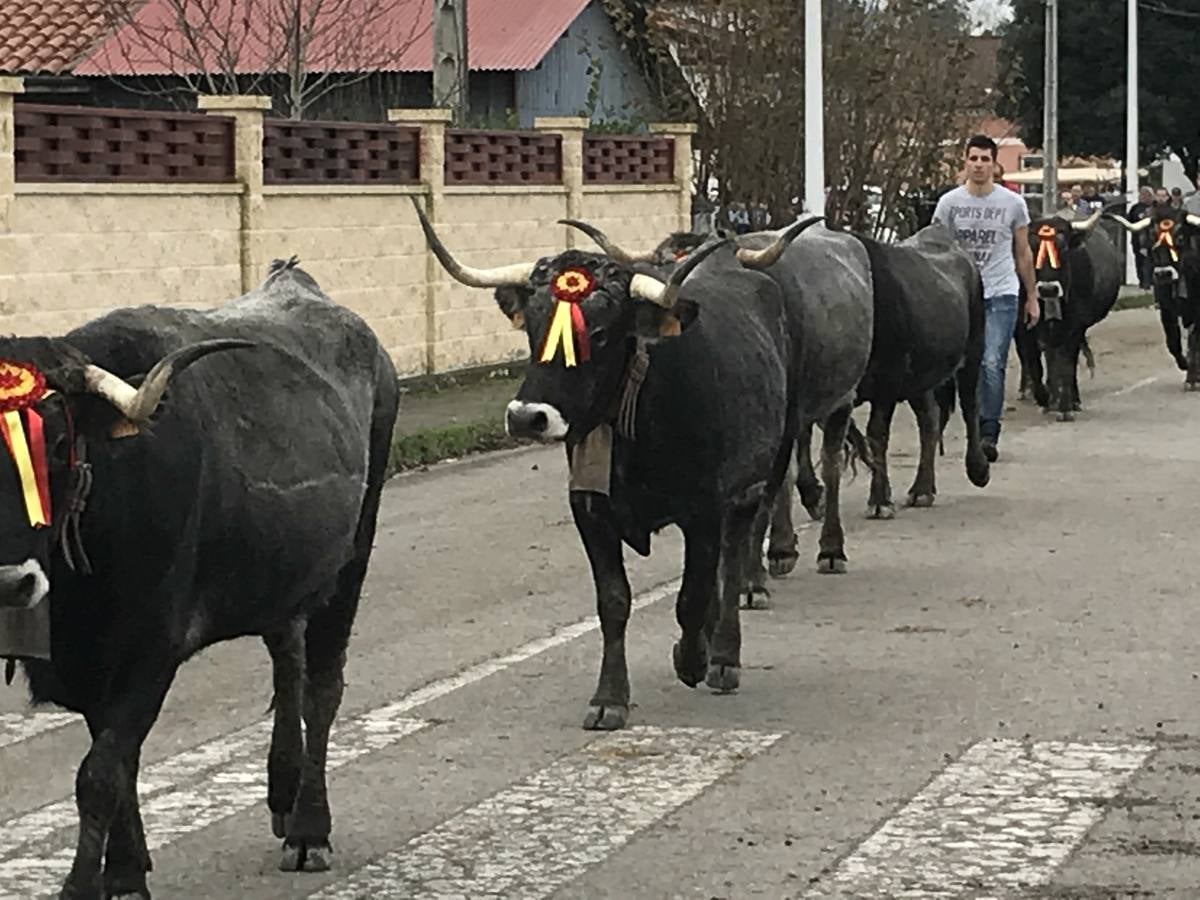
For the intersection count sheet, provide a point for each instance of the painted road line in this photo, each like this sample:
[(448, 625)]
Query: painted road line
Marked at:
[(17, 727), (529, 840), (25, 836), (174, 814), (1004, 816), (1136, 386)]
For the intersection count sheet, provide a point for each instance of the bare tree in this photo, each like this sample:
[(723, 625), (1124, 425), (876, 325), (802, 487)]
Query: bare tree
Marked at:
[(310, 47), (894, 94)]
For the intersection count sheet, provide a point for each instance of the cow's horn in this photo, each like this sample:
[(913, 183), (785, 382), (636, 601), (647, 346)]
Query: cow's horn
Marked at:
[(139, 404), (620, 254), (1089, 223), (1139, 225), (1193, 219), (768, 256), (516, 274), (664, 294)]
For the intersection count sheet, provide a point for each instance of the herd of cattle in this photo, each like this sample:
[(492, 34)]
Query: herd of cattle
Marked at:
[(684, 382)]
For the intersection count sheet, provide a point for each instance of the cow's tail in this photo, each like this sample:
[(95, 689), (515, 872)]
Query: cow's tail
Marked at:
[(856, 449), (944, 395), (1088, 358)]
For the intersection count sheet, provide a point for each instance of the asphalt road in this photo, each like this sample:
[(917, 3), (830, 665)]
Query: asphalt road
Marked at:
[(997, 701)]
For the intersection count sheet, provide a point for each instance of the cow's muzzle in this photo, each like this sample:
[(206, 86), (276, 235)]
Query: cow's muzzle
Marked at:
[(539, 421), (1165, 274), (1049, 290), (23, 586)]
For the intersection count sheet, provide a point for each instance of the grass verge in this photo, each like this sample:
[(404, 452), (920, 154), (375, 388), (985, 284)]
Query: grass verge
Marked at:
[(431, 445), (1139, 300)]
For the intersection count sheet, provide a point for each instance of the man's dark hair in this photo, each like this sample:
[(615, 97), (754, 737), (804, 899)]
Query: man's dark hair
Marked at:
[(983, 142)]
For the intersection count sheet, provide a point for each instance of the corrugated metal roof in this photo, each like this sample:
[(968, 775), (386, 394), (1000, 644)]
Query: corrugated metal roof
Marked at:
[(383, 35), (47, 37)]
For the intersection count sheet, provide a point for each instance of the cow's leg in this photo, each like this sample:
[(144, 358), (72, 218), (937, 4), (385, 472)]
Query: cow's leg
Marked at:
[(978, 468), (725, 647), (1066, 366), (782, 552), (285, 759), (1168, 315), (879, 429), (831, 557), (105, 780), (811, 493), (695, 605), (1029, 353), (126, 858), (609, 706), (1193, 375), (924, 486)]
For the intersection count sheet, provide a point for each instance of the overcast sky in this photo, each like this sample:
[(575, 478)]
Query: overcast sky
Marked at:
[(987, 14)]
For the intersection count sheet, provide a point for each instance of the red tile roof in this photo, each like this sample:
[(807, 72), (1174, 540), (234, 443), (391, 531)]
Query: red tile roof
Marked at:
[(393, 35), (48, 37)]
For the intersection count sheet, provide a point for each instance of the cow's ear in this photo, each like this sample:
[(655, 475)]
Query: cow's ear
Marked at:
[(653, 323), (511, 301), (1076, 238)]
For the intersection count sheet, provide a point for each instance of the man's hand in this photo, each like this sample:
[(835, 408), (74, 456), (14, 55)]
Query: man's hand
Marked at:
[(1033, 311)]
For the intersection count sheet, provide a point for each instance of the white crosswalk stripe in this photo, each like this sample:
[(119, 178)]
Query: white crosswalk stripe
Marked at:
[(1005, 815), (531, 839), (17, 727)]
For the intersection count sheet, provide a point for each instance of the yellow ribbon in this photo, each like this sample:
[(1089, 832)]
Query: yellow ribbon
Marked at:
[(1164, 237), (560, 334), (10, 422)]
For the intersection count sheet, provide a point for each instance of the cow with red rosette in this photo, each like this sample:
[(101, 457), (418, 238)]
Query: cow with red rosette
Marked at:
[(671, 396), (173, 478)]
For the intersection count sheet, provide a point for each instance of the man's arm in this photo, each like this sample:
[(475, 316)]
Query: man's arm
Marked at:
[(1024, 257)]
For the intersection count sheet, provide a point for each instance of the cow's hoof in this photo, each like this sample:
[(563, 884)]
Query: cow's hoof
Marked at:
[(756, 598), (606, 718), (979, 470), (1077, 406), (280, 823), (690, 671), (782, 564), (1191, 386), (1182, 363), (72, 890), (920, 501), (814, 503), (831, 565), (881, 511), (1066, 416), (126, 886), (723, 679), (304, 856)]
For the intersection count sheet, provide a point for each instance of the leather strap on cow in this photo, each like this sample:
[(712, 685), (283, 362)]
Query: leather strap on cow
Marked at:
[(70, 538), (635, 376)]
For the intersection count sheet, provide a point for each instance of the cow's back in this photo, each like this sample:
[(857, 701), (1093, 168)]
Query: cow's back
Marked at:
[(265, 448), (1095, 277)]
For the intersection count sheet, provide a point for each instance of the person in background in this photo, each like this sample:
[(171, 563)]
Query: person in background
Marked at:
[(1176, 198), (1191, 203), (1065, 202), (1089, 200), (992, 225), (1139, 242), (1162, 200)]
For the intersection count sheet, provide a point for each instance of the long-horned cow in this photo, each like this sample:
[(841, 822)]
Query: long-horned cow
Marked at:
[(142, 529), (671, 397)]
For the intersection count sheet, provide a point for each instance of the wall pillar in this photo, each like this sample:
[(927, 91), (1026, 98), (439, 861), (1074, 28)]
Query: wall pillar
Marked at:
[(682, 133), (571, 129), (247, 113), (9, 88)]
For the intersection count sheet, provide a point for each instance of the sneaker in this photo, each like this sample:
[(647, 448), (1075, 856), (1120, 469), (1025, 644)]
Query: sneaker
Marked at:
[(989, 449)]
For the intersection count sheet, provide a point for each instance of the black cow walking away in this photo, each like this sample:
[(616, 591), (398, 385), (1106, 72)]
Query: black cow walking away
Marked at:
[(1176, 259), (246, 506), (672, 401), (1078, 278), (826, 283), (928, 333)]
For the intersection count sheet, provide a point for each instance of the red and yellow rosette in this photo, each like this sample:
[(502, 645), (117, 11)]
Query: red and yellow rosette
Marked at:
[(567, 326), (1047, 248), (1167, 238), (22, 386)]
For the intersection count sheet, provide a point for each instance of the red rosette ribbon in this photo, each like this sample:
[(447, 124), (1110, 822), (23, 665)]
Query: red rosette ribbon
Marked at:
[(22, 386), (567, 325)]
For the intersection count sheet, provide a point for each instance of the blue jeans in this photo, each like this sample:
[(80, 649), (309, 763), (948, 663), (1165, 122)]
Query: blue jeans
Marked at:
[(1000, 320)]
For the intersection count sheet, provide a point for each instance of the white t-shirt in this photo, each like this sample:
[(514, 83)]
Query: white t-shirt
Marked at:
[(984, 227)]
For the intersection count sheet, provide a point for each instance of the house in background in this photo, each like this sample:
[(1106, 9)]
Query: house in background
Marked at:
[(527, 58)]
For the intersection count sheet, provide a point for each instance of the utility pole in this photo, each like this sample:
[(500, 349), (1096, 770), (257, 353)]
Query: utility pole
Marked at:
[(1050, 113), (1131, 132), (814, 111), (450, 63)]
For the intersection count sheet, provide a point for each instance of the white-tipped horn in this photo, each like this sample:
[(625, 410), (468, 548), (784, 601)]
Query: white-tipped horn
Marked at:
[(1140, 225), (516, 274), (647, 287), (1089, 223), (139, 404), (1193, 219), (612, 250), (768, 256)]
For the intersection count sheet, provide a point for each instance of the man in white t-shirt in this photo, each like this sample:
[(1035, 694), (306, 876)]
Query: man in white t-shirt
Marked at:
[(992, 225)]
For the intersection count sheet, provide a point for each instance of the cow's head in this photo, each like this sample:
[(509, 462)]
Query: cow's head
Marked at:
[(581, 313), (52, 395), (1052, 238), (1168, 231)]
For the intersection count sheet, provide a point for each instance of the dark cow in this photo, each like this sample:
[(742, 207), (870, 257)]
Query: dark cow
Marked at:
[(672, 401), (1174, 234), (928, 333), (246, 506), (1078, 278), (826, 282)]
